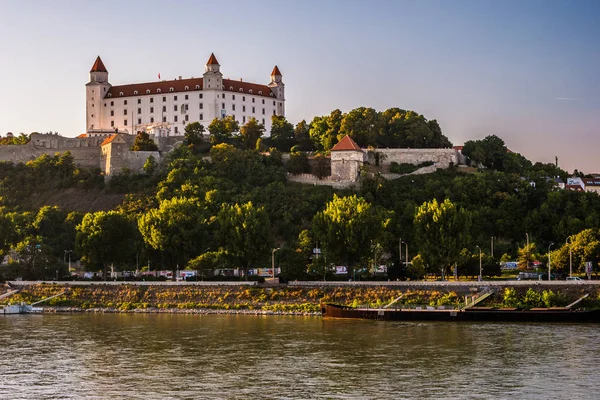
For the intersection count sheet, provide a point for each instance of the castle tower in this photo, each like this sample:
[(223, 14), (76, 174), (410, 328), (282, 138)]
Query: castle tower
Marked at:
[(347, 158), (95, 91), (213, 78), (278, 88)]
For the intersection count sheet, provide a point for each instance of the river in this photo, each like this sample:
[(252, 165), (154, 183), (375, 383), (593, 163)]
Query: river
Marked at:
[(163, 356)]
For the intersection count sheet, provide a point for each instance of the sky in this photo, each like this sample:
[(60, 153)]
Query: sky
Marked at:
[(527, 71)]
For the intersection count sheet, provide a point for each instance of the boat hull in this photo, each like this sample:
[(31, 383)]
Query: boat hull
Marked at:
[(474, 314)]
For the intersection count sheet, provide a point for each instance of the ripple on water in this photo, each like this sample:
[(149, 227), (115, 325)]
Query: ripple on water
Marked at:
[(239, 357)]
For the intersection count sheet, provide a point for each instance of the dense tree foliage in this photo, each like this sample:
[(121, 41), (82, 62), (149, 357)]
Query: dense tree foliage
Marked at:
[(230, 207), (143, 142)]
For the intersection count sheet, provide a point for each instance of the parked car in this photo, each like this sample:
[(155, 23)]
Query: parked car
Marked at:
[(574, 278)]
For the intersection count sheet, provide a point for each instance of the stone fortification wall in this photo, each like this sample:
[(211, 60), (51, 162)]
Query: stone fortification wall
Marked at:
[(345, 165), (441, 157), (86, 156), (313, 180)]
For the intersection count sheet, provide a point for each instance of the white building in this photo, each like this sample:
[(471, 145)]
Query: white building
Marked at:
[(166, 107)]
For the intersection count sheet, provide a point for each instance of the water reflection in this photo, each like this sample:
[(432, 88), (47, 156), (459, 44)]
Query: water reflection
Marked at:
[(237, 357)]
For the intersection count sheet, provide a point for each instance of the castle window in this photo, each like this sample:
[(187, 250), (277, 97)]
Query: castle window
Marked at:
[(135, 92), (175, 107), (92, 115), (223, 97), (110, 95), (139, 121), (241, 90), (112, 113), (151, 109), (148, 92), (222, 106), (253, 110), (244, 108), (139, 110), (112, 103), (151, 99), (186, 97), (233, 107), (139, 101), (151, 120), (250, 91), (263, 121), (104, 104), (158, 91), (175, 119), (233, 116), (164, 119), (120, 93), (273, 103), (233, 96), (243, 119), (243, 98), (164, 99), (201, 117), (271, 94), (164, 108), (263, 111), (200, 95), (230, 87), (201, 106), (187, 118), (92, 104), (125, 112), (171, 89), (125, 122), (263, 101), (112, 123), (198, 87), (273, 112), (125, 102), (253, 99), (260, 92), (174, 98), (187, 88)]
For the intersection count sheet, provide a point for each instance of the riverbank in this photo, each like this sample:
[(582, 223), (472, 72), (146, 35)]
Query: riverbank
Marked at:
[(287, 300)]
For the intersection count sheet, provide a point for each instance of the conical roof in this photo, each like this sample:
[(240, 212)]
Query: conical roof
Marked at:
[(275, 71), (98, 66), (346, 144), (212, 60)]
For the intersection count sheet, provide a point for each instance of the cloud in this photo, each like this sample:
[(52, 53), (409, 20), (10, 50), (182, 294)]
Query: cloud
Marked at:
[(566, 98)]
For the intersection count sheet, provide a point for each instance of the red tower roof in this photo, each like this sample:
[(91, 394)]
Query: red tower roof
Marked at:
[(212, 60), (346, 144), (98, 66), (275, 71)]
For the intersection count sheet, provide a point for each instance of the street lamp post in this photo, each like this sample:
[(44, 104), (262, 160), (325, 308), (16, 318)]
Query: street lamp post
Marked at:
[(480, 268), (551, 243), (69, 253), (406, 258), (527, 250), (569, 242), (492, 247), (273, 260)]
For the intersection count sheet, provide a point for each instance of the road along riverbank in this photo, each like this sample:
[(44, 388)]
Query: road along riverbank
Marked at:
[(296, 298)]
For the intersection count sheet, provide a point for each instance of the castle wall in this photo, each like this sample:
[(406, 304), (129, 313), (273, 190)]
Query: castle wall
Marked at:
[(345, 165), (441, 157), (313, 180), (86, 156)]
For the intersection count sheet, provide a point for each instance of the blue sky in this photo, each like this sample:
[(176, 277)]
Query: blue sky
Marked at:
[(527, 71)]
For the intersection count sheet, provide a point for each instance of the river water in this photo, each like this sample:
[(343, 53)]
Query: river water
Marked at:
[(159, 356)]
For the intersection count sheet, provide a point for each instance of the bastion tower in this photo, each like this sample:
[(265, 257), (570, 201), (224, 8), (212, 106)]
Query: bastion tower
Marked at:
[(95, 91), (278, 88)]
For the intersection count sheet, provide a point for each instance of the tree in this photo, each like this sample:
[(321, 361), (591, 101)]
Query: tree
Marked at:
[(362, 125), (150, 165), (302, 136), (143, 142), (250, 132), (104, 238), (178, 229), (441, 229), (222, 129), (244, 233), (347, 228), (282, 133), (194, 133)]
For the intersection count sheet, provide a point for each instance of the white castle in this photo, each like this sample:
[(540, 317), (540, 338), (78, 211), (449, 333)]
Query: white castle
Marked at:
[(164, 108)]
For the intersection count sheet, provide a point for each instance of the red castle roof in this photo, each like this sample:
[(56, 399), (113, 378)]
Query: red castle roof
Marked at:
[(346, 144), (275, 71), (98, 66), (212, 60)]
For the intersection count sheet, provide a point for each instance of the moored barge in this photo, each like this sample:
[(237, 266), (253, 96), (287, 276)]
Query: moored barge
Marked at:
[(476, 314)]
